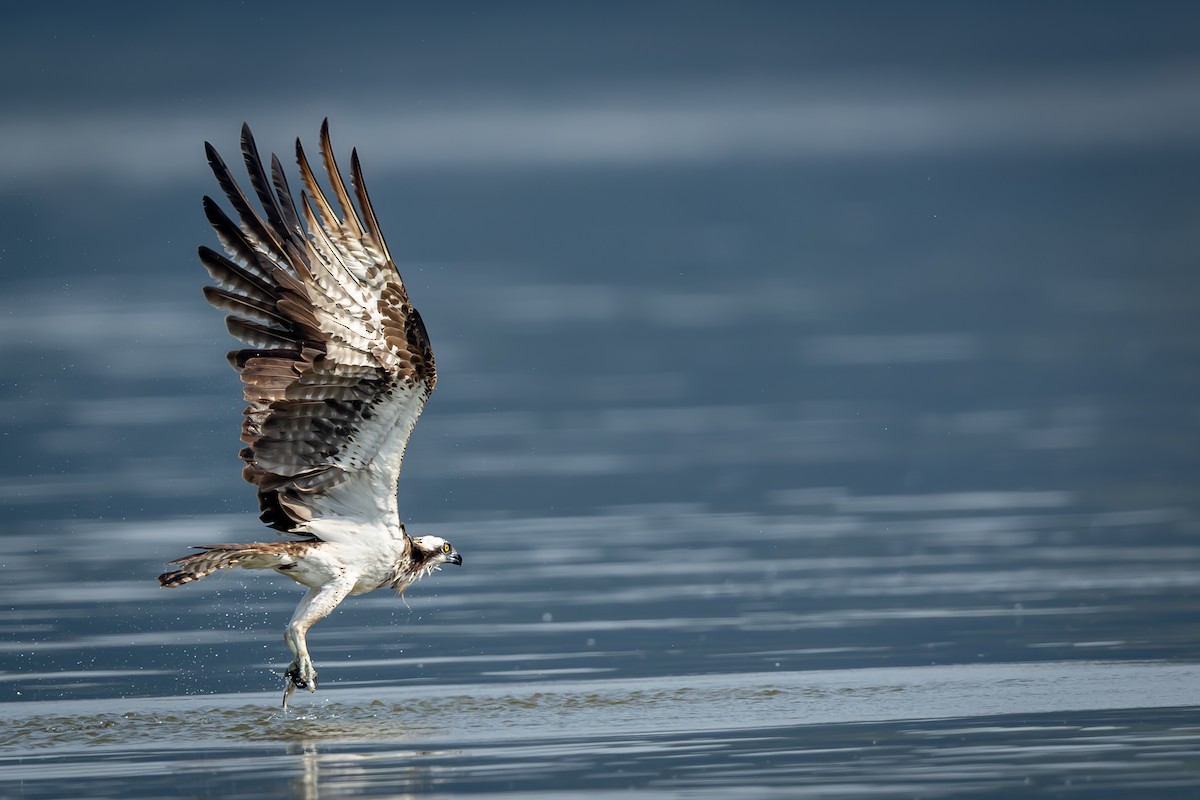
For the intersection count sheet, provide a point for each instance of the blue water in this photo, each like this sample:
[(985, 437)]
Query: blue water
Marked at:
[(803, 434), (902, 645)]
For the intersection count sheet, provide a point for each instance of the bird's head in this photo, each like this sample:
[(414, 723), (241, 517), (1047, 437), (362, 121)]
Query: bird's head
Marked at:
[(433, 551)]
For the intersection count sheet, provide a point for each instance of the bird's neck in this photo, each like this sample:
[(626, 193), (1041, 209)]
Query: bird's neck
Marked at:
[(412, 565)]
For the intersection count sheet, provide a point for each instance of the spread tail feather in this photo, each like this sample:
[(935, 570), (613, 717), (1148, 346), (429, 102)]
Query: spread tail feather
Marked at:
[(214, 557)]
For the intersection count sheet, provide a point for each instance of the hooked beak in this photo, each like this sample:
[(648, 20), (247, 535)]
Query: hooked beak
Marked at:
[(454, 558)]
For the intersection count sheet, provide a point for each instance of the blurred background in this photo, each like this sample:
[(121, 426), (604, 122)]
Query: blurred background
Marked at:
[(667, 252)]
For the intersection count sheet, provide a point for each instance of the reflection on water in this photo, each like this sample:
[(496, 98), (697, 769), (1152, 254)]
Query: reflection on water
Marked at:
[(931, 731), (593, 706)]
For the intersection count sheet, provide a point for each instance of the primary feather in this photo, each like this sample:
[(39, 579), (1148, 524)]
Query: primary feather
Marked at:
[(337, 365)]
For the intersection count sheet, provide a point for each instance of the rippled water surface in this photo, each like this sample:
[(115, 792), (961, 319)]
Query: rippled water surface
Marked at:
[(919, 645), (776, 472)]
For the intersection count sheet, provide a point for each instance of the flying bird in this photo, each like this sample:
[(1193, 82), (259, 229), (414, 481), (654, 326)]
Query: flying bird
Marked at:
[(336, 368)]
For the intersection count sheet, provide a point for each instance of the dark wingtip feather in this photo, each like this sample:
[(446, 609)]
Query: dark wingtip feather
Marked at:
[(277, 224), (222, 224), (251, 223), (364, 203), (247, 139), (216, 164), (283, 193), (229, 233)]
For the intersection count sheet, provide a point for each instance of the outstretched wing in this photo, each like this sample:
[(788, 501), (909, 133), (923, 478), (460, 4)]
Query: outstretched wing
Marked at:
[(336, 366)]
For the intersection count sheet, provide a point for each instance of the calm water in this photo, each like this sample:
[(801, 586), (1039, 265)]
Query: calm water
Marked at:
[(773, 476)]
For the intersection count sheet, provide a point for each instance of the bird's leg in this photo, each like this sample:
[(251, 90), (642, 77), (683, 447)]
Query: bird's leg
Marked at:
[(300, 674), (315, 605)]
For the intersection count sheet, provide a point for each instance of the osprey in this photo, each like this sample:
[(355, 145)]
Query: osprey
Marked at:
[(336, 368)]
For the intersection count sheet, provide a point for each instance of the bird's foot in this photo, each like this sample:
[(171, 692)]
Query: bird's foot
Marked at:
[(300, 675)]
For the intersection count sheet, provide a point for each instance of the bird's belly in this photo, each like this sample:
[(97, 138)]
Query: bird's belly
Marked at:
[(330, 563)]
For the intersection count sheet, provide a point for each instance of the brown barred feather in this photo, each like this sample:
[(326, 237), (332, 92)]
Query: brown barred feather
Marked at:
[(337, 363), (213, 557)]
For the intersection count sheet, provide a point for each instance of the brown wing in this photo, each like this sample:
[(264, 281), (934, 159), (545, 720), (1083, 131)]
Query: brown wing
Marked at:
[(336, 365)]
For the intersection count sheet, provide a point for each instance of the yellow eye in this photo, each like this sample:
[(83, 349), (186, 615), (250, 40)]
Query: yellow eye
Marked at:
[(446, 547)]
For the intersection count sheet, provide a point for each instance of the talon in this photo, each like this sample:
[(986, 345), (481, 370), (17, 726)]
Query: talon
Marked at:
[(300, 675), (293, 676)]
